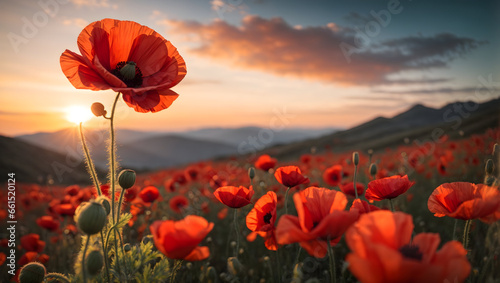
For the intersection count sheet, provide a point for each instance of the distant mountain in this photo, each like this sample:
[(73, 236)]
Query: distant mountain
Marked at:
[(33, 164), (419, 123), (146, 151), (236, 136)]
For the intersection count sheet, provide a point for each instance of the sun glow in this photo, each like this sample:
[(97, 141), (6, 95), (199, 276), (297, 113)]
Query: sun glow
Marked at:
[(78, 114)]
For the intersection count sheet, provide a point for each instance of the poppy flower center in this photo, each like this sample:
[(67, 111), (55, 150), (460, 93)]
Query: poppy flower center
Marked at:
[(129, 73), (411, 251), (267, 218)]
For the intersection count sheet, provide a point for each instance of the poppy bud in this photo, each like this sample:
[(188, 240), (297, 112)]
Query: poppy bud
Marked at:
[(94, 262), (355, 158), (91, 217), (489, 167), (127, 247), (98, 109), (33, 272), (234, 265), (126, 178), (105, 203), (496, 149), (251, 173), (489, 181), (128, 71), (297, 271), (211, 275), (373, 169)]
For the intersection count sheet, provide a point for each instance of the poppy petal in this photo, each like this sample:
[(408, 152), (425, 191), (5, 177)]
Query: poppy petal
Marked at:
[(79, 74)]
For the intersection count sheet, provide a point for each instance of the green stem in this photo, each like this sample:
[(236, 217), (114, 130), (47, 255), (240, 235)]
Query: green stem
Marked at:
[(237, 234), (286, 200), (278, 267), (120, 205), (331, 256), (455, 229), (354, 181), (90, 164), (465, 240), (112, 161), (84, 272), (105, 253), (392, 205)]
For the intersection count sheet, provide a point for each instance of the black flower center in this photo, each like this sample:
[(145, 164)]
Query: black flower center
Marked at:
[(411, 251), (129, 73), (267, 218)]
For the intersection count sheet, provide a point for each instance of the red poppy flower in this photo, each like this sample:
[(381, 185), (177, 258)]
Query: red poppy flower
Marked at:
[(32, 257), (72, 190), (129, 58), (290, 176), (130, 194), (466, 201), (149, 194), (348, 189), (177, 203), (383, 251), (363, 206), (234, 197), (321, 218), (265, 162), (333, 175), (180, 239), (65, 209), (3, 257), (32, 243), (262, 217), (48, 222), (388, 188)]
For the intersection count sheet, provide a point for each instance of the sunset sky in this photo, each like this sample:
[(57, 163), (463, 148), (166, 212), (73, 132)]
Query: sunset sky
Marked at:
[(324, 63)]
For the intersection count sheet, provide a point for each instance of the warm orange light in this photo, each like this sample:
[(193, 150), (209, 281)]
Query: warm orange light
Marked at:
[(78, 114)]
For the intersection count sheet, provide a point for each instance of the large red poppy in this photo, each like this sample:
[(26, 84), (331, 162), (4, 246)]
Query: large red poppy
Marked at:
[(290, 176), (383, 251), (466, 201), (234, 197), (262, 217), (388, 188), (321, 218), (129, 58), (149, 194), (180, 239)]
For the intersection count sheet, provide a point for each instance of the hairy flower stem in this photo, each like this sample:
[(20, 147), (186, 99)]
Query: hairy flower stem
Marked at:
[(465, 240), (84, 272), (286, 200), (90, 164), (331, 256), (112, 161), (354, 181), (237, 232), (105, 253)]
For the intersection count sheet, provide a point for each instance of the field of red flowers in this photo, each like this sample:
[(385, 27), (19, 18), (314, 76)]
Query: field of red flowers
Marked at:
[(251, 230), (415, 213)]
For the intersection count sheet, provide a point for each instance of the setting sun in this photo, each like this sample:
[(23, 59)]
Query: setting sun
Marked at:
[(78, 114)]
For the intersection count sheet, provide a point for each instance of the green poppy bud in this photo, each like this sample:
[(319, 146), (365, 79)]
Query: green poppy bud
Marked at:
[(126, 178), (234, 266), (127, 247), (98, 109), (251, 173), (33, 272), (94, 262), (489, 167), (106, 203), (373, 169), (355, 158), (91, 217), (211, 275)]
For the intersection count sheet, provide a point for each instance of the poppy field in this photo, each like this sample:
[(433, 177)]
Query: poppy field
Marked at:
[(409, 213)]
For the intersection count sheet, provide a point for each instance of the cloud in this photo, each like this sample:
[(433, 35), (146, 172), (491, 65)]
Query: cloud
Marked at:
[(95, 3), (316, 53), (79, 22)]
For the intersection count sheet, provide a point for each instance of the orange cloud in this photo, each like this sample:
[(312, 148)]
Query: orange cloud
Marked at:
[(315, 53)]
